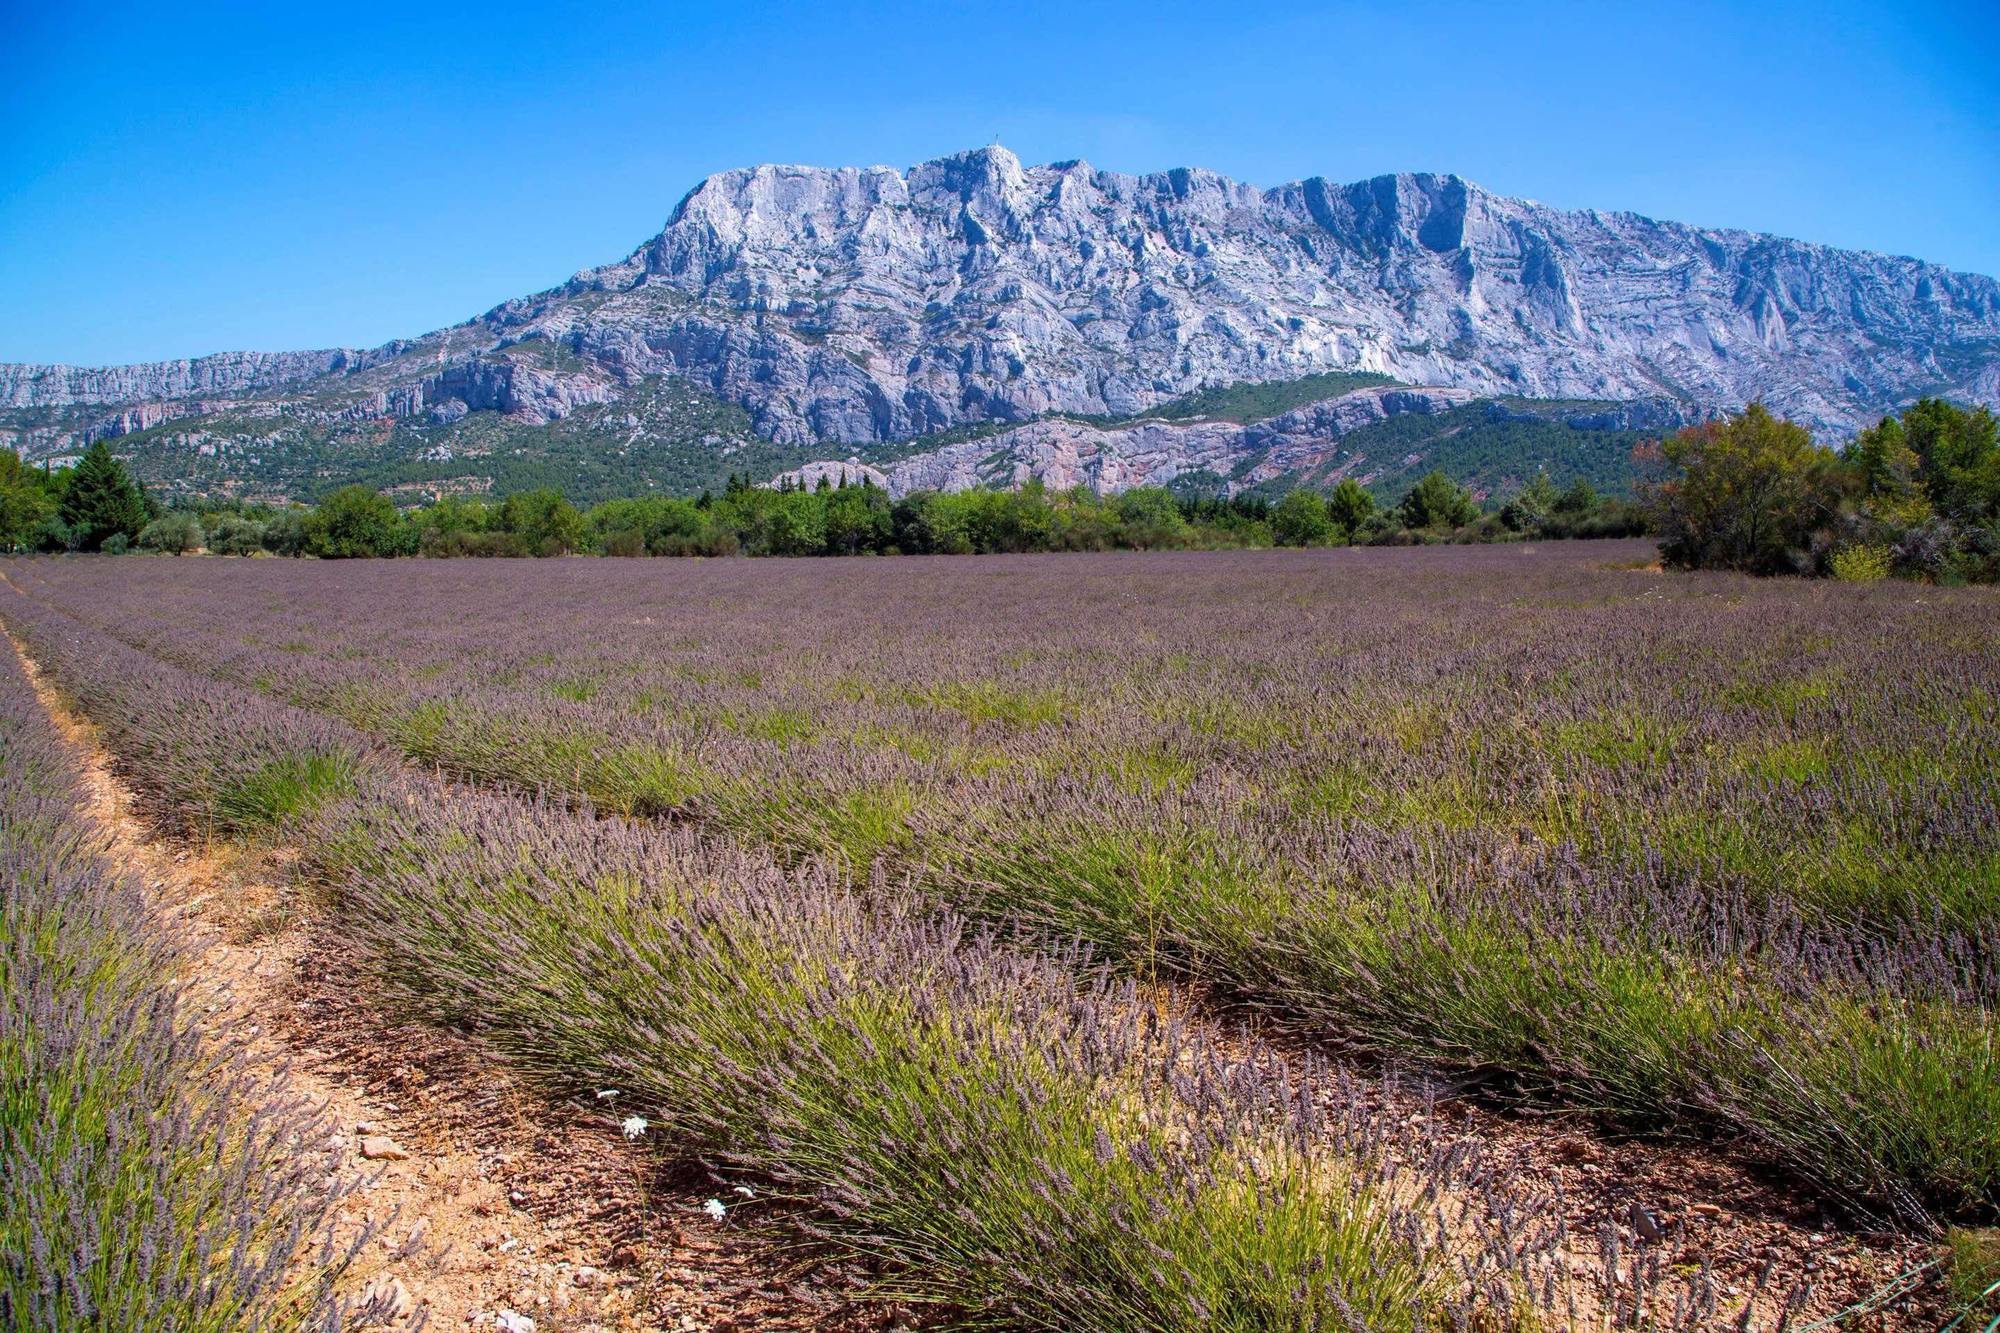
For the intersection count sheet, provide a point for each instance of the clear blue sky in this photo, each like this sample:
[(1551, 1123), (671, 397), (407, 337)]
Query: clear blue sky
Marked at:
[(187, 178)]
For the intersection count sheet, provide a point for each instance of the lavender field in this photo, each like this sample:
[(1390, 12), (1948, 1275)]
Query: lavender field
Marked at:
[(939, 891)]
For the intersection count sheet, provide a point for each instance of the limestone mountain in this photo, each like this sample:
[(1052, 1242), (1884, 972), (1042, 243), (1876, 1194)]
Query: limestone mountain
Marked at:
[(786, 314)]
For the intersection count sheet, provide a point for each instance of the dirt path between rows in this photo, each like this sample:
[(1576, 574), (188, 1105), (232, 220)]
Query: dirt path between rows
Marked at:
[(492, 1206)]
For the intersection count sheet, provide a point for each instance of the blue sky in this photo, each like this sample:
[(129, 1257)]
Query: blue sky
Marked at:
[(188, 178)]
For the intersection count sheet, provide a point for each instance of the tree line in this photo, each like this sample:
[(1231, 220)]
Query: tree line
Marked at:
[(97, 507), (1917, 495)]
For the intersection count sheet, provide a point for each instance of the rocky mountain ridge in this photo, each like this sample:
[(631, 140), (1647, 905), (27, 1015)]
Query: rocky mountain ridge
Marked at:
[(223, 374), (852, 307)]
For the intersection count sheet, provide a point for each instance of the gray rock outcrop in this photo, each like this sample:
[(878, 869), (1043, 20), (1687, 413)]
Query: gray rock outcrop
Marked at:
[(1063, 454)]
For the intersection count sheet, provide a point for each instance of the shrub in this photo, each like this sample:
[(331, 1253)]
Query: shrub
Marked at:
[(542, 520), (171, 534), (1300, 519), (1631, 844), (625, 543), (1972, 1269), (447, 545), (1862, 564), (284, 788), (148, 1179), (52, 534), (236, 535), (285, 533), (1149, 518), (1030, 1139), (353, 522), (1751, 491)]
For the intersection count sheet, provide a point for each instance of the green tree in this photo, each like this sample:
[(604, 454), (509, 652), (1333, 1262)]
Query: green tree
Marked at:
[(174, 533), (1882, 464), (857, 520), (25, 503), (1437, 502), (236, 534), (1350, 506), (1529, 511), (354, 522), (546, 523), (1300, 519), (1750, 493), (1959, 457), (1082, 521), (1148, 518), (1025, 520), (101, 499), (929, 523), (52, 534), (1578, 501), (285, 534), (454, 514), (796, 523)]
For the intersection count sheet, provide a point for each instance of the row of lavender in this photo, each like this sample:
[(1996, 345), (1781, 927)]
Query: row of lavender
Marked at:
[(1691, 850), (1016, 1135), (1768, 734), (148, 1178)]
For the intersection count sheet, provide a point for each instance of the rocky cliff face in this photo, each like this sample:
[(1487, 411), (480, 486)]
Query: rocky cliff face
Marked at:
[(1063, 454), (872, 304), (853, 306), (223, 374)]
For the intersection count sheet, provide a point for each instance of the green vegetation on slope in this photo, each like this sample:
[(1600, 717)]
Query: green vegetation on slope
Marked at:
[(668, 436), (663, 435), (1245, 403), (1493, 447)]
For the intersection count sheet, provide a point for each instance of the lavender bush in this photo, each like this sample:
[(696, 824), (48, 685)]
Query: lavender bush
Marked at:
[(148, 1177)]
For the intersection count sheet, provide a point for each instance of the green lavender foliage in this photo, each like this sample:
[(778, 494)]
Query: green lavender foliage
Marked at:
[(149, 1179)]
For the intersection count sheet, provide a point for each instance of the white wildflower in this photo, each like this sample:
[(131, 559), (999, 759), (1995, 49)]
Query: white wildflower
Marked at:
[(716, 1212), (606, 1094), (634, 1126), (746, 1191)]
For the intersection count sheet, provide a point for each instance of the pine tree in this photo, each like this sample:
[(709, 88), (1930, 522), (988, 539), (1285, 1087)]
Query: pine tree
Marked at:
[(1437, 502), (1350, 506), (101, 500)]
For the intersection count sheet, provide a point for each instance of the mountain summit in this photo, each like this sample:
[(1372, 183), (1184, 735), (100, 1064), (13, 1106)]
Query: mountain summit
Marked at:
[(856, 306)]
